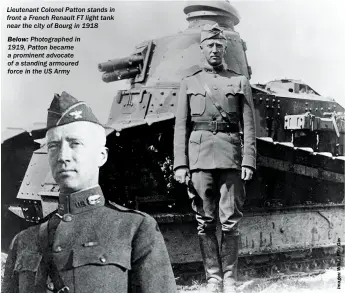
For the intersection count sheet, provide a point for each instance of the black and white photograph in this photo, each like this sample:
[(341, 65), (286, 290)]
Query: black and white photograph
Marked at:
[(172, 146)]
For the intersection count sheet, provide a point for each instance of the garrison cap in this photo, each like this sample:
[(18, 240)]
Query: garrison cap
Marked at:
[(66, 109), (211, 32)]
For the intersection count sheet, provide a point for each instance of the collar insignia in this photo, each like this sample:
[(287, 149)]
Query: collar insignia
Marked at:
[(94, 199)]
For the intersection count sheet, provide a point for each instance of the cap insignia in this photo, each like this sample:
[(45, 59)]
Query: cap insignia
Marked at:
[(76, 114)]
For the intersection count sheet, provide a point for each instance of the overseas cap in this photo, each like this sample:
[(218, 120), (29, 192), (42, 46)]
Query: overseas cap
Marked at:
[(66, 109), (211, 32)]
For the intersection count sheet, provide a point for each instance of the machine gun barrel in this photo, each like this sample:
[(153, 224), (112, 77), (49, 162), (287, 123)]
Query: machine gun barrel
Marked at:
[(120, 63), (120, 74)]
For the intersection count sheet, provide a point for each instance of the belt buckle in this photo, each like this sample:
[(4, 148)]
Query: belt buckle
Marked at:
[(64, 289), (214, 125)]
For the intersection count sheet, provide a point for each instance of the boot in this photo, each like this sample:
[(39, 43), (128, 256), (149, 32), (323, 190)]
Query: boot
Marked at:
[(229, 256), (211, 259)]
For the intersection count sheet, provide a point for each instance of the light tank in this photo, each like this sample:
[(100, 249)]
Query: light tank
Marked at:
[(294, 209)]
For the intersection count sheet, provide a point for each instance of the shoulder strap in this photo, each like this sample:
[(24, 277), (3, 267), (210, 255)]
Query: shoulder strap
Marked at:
[(118, 207), (213, 100)]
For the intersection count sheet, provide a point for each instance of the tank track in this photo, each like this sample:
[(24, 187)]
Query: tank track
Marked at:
[(280, 265)]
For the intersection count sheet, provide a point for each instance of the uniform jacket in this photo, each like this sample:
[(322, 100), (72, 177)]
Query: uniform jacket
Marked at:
[(96, 248), (203, 149)]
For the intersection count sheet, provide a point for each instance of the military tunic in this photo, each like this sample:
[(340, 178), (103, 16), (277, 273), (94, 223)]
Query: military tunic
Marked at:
[(204, 149), (215, 157), (96, 248)]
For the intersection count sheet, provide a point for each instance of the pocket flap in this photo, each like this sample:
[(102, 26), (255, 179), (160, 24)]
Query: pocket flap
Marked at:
[(232, 89), (195, 137), (117, 254), (194, 89), (27, 261)]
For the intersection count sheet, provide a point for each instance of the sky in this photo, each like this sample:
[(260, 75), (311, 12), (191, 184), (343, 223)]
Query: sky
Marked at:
[(285, 39)]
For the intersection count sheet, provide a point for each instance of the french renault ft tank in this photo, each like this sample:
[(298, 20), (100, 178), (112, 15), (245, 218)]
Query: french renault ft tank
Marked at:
[(295, 204)]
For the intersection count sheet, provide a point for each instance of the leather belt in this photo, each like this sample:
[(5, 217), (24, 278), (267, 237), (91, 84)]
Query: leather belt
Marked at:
[(215, 126)]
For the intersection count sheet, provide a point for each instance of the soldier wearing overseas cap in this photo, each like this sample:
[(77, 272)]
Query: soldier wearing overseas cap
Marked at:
[(214, 105), (89, 245)]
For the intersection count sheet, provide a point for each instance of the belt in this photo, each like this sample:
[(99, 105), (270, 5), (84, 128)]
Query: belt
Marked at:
[(215, 126)]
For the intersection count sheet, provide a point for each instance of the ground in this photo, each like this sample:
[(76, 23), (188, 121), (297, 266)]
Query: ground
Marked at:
[(326, 281), (320, 283)]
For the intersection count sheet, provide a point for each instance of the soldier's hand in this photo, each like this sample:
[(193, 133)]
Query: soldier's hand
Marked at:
[(247, 173), (181, 174)]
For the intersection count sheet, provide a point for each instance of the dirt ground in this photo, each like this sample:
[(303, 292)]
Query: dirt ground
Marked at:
[(326, 282)]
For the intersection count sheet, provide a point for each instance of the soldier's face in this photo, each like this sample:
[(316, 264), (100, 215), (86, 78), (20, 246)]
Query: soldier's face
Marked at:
[(75, 152), (213, 51)]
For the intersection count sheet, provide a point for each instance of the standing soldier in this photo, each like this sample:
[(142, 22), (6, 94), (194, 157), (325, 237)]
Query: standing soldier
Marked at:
[(214, 104), (89, 245)]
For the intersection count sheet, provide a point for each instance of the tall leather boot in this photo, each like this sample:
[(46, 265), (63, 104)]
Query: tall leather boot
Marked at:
[(210, 255), (229, 256)]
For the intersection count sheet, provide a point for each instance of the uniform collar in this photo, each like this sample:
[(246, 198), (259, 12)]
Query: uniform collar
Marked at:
[(213, 69), (81, 201)]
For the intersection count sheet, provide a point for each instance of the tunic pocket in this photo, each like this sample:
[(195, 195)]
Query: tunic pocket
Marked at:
[(236, 148), (194, 147), (27, 267), (102, 268), (27, 261), (231, 101), (197, 101), (197, 105), (118, 255)]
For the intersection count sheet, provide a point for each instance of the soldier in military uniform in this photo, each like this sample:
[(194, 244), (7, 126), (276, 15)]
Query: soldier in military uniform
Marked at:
[(89, 245), (214, 104)]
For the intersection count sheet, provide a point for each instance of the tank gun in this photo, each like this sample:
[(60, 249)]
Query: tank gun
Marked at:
[(133, 66), (121, 68)]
